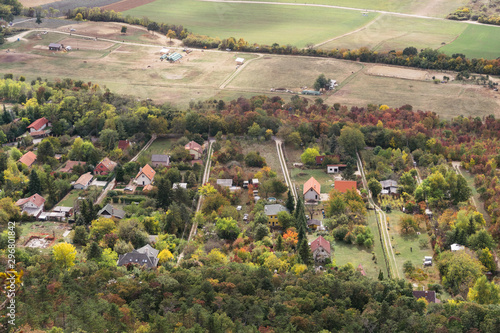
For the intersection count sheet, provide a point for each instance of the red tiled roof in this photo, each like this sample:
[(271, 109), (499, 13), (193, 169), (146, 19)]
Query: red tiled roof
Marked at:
[(194, 146), (147, 171), (36, 198), (148, 188), (320, 241), (344, 185), (123, 144), (109, 164), (312, 183), (37, 124), (70, 164), (338, 165), (84, 179), (28, 159)]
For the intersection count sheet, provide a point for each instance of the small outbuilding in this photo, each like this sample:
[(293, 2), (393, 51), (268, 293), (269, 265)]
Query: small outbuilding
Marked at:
[(55, 47), (240, 61)]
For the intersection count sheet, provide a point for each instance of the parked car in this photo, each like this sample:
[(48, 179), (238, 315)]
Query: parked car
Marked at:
[(245, 217)]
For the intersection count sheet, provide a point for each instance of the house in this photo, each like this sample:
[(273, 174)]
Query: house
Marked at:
[(428, 295), (109, 211), (160, 160), (195, 150), (164, 51), (272, 213), (335, 168), (255, 182), (40, 134), (314, 224), (145, 176), (67, 211), (123, 144), (320, 249), (28, 159), (389, 186), (312, 190), (343, 185), (456, 247), (55, 47), (32, 206), (70, 165), (52, 216), (144, 256), (321, 159), (240, 61), (225, 182), (38, 125), (104, 167), (83, 182), (147, 188)]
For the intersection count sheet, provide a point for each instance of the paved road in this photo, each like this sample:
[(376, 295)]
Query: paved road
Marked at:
[(387, 246), (284, 168)]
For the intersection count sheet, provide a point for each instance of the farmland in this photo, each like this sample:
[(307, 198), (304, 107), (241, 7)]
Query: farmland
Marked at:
[(476, 41)]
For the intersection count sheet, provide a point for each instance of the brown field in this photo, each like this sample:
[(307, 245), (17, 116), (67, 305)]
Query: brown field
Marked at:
[(126, 5), (36, 3), (400, 73)]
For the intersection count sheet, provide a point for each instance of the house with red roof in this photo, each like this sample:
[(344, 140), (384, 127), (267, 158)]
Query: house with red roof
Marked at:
[(28, 159), (343, 185), (145, 175), (321, 159), (320, 249), (38, 125), (104, 167), (195, 150), (70, 165), (123, 144), (32, 206), (312, 190)]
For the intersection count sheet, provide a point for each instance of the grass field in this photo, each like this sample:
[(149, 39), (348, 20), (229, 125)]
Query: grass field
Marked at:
[(256, 23), (161, 146), (267, 149), (477, 41), (70, 198), (300, 176)]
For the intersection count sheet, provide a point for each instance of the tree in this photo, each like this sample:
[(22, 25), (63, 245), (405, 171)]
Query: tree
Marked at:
[(80, 236), (285, 220), (408, 182), (171, 34), (79, 17), (309, 156), (261, 231), (254, 159), (486, 258), (375, 187), (459, 271), (94, 251), (290, 203), (64, 254), (120, 173), (305, 252), (165, 256), (410, 51), (108, 139), (45, 150), (153, 26), (38, 16), (227, 228), (124, 29), (484, 292), (101, 227), (481, 240), (164, 193), (279, 243), (34, 186), (351, 140), (321, 82)]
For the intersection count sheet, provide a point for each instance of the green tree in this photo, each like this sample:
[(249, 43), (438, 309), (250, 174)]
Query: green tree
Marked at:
[(484, 292), (459, 271), (321, 82), (261, 231), (80, 236), (285, 220), (486, 258), (108, 139), (227, 228), (94, 252), (481, 240), (351, 140), (45, 150), (408, 182), (254, 130), (38, 16), (279, 243), (309, 156), (164, 193), (120, 173), (375, 187), (34, 185), (305, 251), (290, 203), (124, 29)]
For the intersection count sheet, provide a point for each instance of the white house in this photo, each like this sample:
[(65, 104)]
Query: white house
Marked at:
[(312, 190), (334, 168), (83, 182), (456, 247), (32, 206), (240, 61), (145, 175), (320, 249)]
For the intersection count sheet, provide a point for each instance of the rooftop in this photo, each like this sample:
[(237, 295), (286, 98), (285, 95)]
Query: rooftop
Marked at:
[(28, 159), (148, 171), (320, 242), (312, 183), (37, 124), (344, 185), (274, 209)]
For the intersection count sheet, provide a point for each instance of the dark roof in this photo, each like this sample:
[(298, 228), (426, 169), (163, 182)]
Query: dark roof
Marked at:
[(389, 183), (136, 257), (55, 45), (270, 210), (314, 222), (429, 295), (160, 158), (111, 211)]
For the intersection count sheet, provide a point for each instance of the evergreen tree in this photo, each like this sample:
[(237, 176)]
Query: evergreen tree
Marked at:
[(290, 204), (305, 252), (380, 275), (34, 185), (301, 221), (164, 195), (88, 211), (80, 237), (94, 251), (119, 173), (279, 243), (51, 188)]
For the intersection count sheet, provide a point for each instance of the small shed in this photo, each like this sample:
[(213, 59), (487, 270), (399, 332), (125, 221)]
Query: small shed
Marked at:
[(55, 47), (164, 51), (240, 61)]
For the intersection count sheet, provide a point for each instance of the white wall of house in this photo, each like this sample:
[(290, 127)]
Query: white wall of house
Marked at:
[(142, 180), (40, 129), (332, 169), (320, 254), (311, 195)]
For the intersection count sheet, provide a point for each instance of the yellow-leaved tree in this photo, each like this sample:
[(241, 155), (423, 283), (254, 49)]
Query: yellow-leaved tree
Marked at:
[(165, 256), (65, 254)]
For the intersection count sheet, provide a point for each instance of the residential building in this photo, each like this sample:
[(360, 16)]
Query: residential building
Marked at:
[(38, 125), (145, 176), (32, 206), (334, 168), (144, 256), (320, 249), (109, 211), (84, 181), (195, 150), (313, 224), (343, 185), (55, 47), (123, 144), (272, 213), (28, 159), (321, 159), (225, 182), (389, 186), (105, 167), (312, 190), (428, 295), (67, 211), (160, 160), (70, 165)]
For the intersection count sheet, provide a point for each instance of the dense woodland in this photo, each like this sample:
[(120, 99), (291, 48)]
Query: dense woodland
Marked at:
[(237, 277)]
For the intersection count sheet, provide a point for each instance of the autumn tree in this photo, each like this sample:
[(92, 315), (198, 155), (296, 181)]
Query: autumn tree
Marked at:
[(309, 156), (484, 292), (64, 254), (375, 187), (171, 34)]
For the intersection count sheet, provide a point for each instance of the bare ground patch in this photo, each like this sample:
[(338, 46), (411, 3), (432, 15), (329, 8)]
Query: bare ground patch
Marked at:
[(126, 5), (86, 44), (401, 73)]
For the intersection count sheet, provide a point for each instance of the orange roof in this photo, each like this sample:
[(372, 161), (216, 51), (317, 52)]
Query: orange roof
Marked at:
[(84, 179), (28, 159), (147, 171), (320, 241), (36, 198), (194, 145), (109, 164), (37, 124), (148, 188), (314, 184), (344, 185)]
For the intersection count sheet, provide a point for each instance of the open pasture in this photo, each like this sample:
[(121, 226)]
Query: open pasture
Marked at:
[(256, 23), (477, 41)]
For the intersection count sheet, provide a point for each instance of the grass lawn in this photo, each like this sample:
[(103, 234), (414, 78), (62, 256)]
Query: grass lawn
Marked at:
[(256, 23), (161, 146), (480, 204), (300, 176), (267, 149), (70, 198), (477, 41)]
